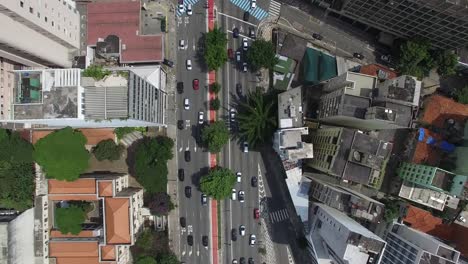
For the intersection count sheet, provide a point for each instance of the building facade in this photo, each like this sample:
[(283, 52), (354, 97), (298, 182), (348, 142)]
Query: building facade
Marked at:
[(39, 33), (406, 245), (444, 23)]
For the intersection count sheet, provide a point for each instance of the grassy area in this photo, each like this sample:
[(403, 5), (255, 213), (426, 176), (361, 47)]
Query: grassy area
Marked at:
[(218, 205), (120, 132), (379, 181)]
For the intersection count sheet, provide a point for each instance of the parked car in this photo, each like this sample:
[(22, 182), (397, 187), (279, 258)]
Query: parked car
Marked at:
[(358, 55), (245, 44), (462, 219), (181, 6), (234, 195), (251, 261), (190, 240), (253, 4), (181, 175), (168, 63), (242, 260), (254, 181), (387, 58), (189, 65), (238, 56), (242, 230), (234, 234), (317, 36), (246, 16), (200, 117), (205, 241), (235, 33), (196, 84), (252, 240), (180, 124), (252, 32), (188, 191), (182, 222), (241, 196), (180, 87), (234, 261), (244, 67), (189, 10), (204, 199), (256, 213), (187, 155), (186, 104), (245, 147), (230, 54), (238, 175)]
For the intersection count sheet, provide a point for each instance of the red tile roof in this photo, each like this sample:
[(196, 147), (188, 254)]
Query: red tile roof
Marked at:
[(108, 252), (373, 69), (117, 221), (123, 20), (106, 188), (83, 233), (79, 186), (67, 249)]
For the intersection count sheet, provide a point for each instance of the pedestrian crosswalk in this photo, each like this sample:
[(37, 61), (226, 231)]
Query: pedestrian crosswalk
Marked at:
[(275, 8), (257, 12), (186, 3), (278, 216)]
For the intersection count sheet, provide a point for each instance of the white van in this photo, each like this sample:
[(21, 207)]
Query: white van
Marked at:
[(234, 195)]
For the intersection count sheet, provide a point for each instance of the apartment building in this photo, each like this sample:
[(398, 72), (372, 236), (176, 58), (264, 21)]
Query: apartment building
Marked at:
[(110, 228), (64, 97), (406, 245), (39, 33), (336, 238), (443, 22)]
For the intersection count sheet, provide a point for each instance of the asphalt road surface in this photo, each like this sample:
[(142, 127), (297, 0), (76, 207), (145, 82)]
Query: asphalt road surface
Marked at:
[(191, 29)]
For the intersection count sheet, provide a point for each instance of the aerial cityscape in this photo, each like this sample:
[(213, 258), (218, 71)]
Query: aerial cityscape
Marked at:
[(233, 132)]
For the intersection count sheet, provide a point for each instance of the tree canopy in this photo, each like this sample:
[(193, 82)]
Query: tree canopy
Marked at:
[(215, 87), (168, 258), (160, 203), (215, 136), (152, 155), (392, 208), (218, 183), (261, 54), (446, 62), (69, 219), (146, 260), (107, 150), (96, 71), (462, 95), (215, 48), (257, 117), (16, 171), (62, 154), (215, 104)]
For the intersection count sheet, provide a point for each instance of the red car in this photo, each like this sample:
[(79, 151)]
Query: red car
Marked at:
[(256, 213), (195, 84), (230, 54)]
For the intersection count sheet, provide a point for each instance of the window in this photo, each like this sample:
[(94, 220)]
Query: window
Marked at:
[(21, 3), (31, 10), (38, 15), (52, 23), (45, 19)]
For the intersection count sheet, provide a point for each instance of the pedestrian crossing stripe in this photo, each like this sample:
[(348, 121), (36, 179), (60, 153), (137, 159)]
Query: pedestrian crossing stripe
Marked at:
[(257, 12), (275, 8), (186, 3), (278, 216)]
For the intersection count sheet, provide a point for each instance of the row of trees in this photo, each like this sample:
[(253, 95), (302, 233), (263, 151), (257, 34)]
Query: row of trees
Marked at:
[(153, 248)]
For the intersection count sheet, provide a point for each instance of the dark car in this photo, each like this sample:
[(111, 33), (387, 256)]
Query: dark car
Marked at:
[(239, 89), (180, 124), (181, 175), (187, 155), (358, 55), (188, 191), (251, 261), (234, 234), (317, 36), (256, 213), (254, 181), (182, 222), (242, 260), (190, 240), (235, 33), (230, 54), (252, 32), (196, 84), (180, 87), (168, 63), (205, 241), (246, 16)]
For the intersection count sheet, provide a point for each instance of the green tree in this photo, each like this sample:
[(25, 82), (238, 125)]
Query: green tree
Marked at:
[(215, 48), (120, 132), (69, 219), (168, 258), (107, 150), (215, 136), (62, 154), (446, 62), (218, 183), (261, 54), (160, 203), (415, 58), (146, 260), (257, 118), (145, 240), (392, 209), (151, 163), (462, 95), (96, 71), (215, 104), (215, 87)]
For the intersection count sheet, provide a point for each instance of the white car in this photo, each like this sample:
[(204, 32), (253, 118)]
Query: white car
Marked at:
[(181, 8), (242, 230), (241, 196), (189, 65), (234, 195), (186, 104), (200, 117), (245, 146), (244, 67), (189, 10), (239, 174), (232, 114), (252, 240), (182, 44), (245, 44), (253, 4)]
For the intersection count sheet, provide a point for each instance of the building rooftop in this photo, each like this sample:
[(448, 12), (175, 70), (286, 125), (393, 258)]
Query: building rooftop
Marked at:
[(290, 108), (425, 196), (405, 89), (122, 19), (377, 70), (17, 239)]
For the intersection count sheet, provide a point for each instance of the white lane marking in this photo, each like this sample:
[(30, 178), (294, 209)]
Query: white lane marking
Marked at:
[(194, 46), (237, 19), (185, 249), (195, 148)]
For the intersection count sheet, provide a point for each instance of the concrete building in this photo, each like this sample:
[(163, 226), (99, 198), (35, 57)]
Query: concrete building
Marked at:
[(63, 97), (289, 145), (290, 112), (359, 101), (350, 155), (427, 197), (443, 23), (7, 78), (406, 245), (109, 229), (336, 238), (352, 203), (432, 178), (39, 33)]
